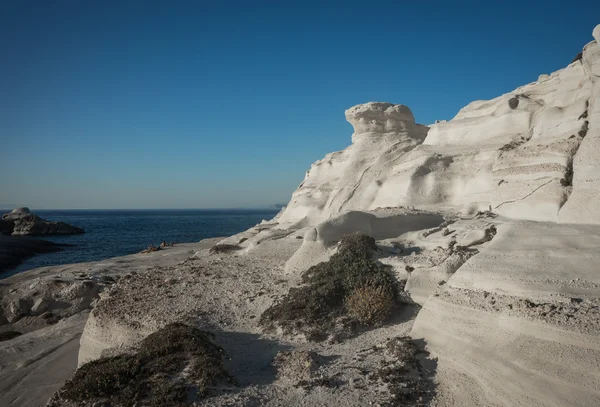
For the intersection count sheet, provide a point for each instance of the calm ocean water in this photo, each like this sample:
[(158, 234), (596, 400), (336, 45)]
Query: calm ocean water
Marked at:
[(111, 233)]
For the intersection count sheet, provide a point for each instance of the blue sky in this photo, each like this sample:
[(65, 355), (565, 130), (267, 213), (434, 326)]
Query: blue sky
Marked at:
[(192, 104)]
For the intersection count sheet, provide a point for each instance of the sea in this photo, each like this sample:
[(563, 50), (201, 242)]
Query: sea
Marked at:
[(111, 233)]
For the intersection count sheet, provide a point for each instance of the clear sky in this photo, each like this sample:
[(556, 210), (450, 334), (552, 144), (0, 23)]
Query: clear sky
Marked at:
[(196, 104)]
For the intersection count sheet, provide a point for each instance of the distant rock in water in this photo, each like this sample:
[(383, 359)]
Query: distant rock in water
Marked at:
[(21, 222)]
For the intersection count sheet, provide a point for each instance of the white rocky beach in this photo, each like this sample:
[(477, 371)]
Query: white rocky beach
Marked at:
[(485, 263)]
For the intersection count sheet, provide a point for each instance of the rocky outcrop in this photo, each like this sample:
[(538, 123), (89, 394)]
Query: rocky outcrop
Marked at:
[(21, 222), (62, 298), (529, 154)]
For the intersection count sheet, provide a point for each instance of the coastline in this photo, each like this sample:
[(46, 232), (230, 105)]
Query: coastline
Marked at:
[(112, 233)]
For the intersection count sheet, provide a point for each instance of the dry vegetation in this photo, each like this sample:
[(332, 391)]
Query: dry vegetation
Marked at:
[(371, 304), (351, 287), (172, 367)]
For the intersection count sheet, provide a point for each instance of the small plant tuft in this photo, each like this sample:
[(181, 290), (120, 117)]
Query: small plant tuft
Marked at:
[(371, 304)]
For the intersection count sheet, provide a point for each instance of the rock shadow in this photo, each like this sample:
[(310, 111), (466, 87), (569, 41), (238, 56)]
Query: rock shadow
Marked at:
[(427, 368), (404, 312), (249, 356)]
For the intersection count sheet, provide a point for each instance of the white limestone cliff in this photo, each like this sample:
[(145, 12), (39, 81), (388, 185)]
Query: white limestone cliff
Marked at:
[(530, 154), (583, 205)]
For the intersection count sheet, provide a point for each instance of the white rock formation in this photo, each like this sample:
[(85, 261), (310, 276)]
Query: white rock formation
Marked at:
[(517, 324), (533, 153), (364, 175), (583, 205)]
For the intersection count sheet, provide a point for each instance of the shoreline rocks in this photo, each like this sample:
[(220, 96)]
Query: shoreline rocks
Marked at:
[(21, 222)]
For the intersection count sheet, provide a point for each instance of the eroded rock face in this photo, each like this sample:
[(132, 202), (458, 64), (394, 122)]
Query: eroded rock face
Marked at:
[(582, 204), (526, 303), (530, 154), (23, 222)]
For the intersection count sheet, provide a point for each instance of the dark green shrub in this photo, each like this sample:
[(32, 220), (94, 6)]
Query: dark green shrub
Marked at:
[(153, 375), (312, 308)]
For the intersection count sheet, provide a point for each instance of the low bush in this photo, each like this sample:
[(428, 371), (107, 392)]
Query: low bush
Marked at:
[(170, 364), (329, 287)]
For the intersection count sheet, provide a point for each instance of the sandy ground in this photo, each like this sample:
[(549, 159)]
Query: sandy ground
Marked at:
[(504, 313), (227, 293)]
